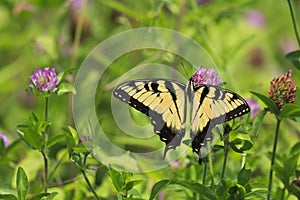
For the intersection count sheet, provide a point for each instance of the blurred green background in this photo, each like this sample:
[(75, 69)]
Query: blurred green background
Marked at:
[(248, 41)]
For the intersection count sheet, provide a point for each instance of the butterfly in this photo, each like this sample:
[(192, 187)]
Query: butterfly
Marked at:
[(165, 102)]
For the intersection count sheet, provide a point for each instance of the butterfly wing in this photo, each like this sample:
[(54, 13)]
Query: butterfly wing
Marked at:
[(211, 105), (164, 101)]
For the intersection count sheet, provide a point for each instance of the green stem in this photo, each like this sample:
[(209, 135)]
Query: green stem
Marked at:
[(294, 21), (87, 180), (204, 173), (45, 171), (273, 158), (282, 193), (46, 109), (211, 170), (57, 164), (226, 148), (44, 149)]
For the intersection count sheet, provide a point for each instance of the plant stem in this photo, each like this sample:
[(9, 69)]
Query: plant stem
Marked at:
[(57, 164), (226, 148), (44, 149), (294, 21), (45, 170), (210, 162), (87, 180), (204, 173), (46, 108), (273, 158), (282, 193)]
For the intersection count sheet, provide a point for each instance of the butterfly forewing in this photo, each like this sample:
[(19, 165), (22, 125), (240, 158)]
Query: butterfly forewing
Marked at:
[(163, 101)]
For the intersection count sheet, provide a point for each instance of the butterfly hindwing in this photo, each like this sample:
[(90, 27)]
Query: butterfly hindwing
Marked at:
[(211, 105), (163, 101)]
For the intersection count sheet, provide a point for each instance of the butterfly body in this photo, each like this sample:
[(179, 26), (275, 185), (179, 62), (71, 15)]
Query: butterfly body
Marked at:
[(165, 102)]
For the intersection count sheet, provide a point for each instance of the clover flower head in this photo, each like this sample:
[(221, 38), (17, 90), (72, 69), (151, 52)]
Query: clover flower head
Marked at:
[(256, 18), (283, 90), (206, 76), (202, 2), (75, 5), (254, 107), (45, 80), (5, 139)]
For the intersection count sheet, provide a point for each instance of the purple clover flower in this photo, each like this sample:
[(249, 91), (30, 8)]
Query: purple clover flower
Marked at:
[(206, 76), (288, 45), (75, 5), (5, 139), (45, 80), (256, 18), (202, 2), (254, 107)]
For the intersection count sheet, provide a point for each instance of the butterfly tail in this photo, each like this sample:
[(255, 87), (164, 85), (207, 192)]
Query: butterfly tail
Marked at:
[(173, 143)]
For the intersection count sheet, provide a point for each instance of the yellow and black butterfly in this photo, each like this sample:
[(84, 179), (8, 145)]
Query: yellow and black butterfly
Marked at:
[(165, 102)]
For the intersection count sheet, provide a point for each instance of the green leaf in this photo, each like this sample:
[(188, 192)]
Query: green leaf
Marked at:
[(257, 194), (117, 178), (257, 122), (44, 196), (8, 197), (244, 175), (21, 135), (33, 117), (22, 184), (295, 149), (39, 196), (81, 148), (74, 134), (281, 174), (131, 184), (158, 187), (65, 88), (290, 110), (199, 188), (70, 143), (268, 102), (222, 188), (53, 140), (240, 145), (237, 191), (51, 196), (291, 164), (294, 57), (63, 74), (33, 138)]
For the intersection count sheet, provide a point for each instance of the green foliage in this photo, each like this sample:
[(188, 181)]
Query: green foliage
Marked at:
[(31, 132), (22, 184), (36, 34), (268, 102), (294, 57), (124, 185)]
